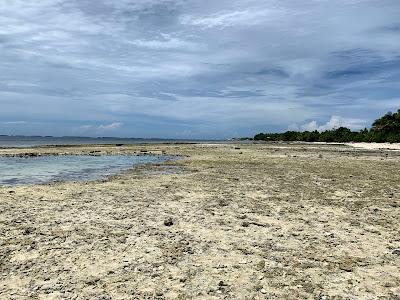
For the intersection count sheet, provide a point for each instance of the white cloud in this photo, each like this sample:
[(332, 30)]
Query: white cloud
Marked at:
[(167, 43), (334, 123), (224, 19), (111, 126), (102, 127)]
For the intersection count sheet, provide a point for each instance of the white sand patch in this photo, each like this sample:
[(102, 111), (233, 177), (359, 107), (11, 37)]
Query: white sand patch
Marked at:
[(375, 146)]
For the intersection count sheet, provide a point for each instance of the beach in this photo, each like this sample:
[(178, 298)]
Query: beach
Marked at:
[(225, 221)]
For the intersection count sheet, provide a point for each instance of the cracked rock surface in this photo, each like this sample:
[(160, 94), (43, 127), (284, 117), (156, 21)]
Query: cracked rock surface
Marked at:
[(228, 221)]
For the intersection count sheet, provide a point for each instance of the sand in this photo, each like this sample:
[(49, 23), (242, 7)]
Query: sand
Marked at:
[(266, 221), (376, 146)]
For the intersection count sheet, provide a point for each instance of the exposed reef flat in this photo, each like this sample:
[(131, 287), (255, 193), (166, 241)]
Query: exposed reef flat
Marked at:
[(229, 221)]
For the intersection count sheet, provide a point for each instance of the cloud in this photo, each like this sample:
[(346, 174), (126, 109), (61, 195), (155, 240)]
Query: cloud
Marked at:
[(166, 43), (333, 123), (111, 126), (230, 18), (103, 127), (169, 68)]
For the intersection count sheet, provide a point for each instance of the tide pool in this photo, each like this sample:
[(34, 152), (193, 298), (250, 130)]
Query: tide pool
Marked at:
[(42, 169)]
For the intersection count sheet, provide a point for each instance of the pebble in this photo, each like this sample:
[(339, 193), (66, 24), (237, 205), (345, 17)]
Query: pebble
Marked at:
[(221, 283), (168, 222), (396, 252), (245, 224)]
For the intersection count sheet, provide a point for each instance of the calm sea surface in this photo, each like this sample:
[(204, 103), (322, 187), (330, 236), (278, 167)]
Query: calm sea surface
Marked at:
[(25, 141), (30, 170)]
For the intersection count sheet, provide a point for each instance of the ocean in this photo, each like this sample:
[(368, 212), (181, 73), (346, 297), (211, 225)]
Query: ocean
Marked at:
[(42, 169), (33, 141)]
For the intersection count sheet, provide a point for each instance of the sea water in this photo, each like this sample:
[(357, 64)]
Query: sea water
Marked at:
[(32, 141), (42, 169)]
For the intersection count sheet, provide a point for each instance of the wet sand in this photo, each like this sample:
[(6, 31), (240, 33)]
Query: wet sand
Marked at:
[(265, 221)]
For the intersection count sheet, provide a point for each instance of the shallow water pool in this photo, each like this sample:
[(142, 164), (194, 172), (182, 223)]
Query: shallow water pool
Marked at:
[(42, 169)]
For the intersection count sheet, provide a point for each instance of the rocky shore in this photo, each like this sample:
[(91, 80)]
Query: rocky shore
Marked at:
[(243, 221)]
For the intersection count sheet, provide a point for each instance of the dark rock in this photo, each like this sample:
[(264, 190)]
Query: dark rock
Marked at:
[(396, 252), (223, 202), (221, 283), (92, 280), (28, 230), (168, 222), (245, 224)]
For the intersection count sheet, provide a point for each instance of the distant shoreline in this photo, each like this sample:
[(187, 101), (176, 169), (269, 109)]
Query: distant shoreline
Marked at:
[(7, 141)]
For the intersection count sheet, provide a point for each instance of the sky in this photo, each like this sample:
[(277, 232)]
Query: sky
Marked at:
[(196, 68)]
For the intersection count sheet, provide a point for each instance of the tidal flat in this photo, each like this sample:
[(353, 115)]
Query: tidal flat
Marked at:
[(226, 221)]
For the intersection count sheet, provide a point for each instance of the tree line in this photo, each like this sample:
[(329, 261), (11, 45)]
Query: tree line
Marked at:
[(384, 130)]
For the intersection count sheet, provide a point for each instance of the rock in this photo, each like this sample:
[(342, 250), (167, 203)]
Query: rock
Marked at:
[(346, 267), (263, 291), (396, 252), (223, 202), (168, 222), (28, 230), (159, 293), (245, 224), (221, 283), (91, 280), (260, 265)]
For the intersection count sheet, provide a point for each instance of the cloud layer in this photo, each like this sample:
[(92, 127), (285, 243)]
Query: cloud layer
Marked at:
[(195, 69)]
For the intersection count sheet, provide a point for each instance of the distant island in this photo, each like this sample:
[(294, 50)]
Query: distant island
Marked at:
[(384, 130)]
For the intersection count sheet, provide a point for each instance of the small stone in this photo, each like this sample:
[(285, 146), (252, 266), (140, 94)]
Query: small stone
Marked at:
[(260, 265), (346, 267), (245, 224), (91, 280), (28, 230), (396, 252), (221, 283), (263, 291), (168, 222)]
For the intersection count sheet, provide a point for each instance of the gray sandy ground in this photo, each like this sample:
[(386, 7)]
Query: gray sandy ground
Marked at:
[(270, 221)]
